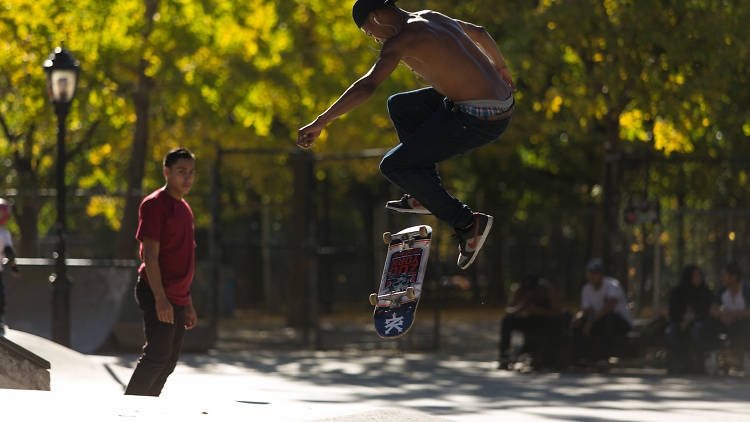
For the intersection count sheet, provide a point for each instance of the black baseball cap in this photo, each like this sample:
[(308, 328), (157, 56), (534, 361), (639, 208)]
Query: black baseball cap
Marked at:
[(595, 264), (362, 8)]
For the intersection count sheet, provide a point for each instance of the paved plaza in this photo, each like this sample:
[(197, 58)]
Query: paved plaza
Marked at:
[(377, 385)]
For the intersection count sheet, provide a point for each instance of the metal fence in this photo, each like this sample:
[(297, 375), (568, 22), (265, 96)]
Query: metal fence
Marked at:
[(249, 258), (555, 244)]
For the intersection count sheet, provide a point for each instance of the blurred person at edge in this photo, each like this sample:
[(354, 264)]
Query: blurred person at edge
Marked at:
[(7, 258), (731, 312)]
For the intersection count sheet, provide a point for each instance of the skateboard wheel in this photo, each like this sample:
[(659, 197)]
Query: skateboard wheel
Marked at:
[(410, 292), (387, 238), (373, 299), (423, 231)]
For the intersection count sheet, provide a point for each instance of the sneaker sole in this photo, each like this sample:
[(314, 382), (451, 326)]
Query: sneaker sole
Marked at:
[(482, 238), (409, 210)]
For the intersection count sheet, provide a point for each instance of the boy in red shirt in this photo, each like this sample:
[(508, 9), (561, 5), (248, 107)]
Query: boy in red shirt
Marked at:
[(165, 230)]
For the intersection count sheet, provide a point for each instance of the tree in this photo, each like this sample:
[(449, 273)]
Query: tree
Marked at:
[(26, 118)]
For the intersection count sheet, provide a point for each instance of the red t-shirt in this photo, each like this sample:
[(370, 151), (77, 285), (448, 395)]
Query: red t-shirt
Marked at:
[(170, 222)]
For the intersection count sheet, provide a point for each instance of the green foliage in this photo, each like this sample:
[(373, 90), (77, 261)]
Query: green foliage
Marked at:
[(662, 79)]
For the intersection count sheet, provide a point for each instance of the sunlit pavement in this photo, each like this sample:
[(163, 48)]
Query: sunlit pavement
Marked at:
[(311, 386), (370, 386)]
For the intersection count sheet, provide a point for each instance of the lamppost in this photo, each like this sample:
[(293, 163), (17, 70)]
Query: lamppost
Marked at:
[(62, 79)]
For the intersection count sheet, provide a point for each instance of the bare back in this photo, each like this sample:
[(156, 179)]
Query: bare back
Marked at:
[(459, 59), (439, 50)]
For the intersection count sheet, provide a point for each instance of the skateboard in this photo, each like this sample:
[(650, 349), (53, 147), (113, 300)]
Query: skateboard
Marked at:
[(401, 285)]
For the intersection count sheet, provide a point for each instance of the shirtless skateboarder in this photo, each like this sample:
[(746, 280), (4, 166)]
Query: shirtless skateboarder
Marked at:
[(468, 105)]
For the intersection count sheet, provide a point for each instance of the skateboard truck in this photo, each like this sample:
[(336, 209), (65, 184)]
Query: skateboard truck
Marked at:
[(407, 238), (392, 298)]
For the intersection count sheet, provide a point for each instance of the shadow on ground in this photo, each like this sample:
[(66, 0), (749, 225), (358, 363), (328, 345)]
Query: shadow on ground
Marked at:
[(449, 386), (460, 379)]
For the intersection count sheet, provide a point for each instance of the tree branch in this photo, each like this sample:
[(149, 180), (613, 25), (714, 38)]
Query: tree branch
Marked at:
[(25, 164), (86, 141), (11, 137)]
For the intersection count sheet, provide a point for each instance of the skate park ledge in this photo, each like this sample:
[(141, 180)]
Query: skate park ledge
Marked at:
[(22, 369)]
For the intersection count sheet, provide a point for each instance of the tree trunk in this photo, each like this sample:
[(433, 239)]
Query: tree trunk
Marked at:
[(27, 219), (26, 209), (126, 243), (27, 206), (681, 221), (606, 227), (301, 293)]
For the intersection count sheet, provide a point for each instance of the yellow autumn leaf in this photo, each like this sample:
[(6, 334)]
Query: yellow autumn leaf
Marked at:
[(670, 139)]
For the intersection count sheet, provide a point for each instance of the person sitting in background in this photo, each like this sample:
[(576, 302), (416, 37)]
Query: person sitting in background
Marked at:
[(687, 334), (534, 309), (731, 311), (604, 314)]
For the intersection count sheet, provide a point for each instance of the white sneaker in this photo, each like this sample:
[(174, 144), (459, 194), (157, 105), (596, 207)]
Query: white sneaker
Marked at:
[(711, 364)]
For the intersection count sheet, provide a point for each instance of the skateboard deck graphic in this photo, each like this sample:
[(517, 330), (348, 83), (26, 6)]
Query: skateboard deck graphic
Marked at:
[(401, 284)]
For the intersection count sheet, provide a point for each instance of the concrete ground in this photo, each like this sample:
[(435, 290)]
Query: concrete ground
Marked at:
[(355, 385)]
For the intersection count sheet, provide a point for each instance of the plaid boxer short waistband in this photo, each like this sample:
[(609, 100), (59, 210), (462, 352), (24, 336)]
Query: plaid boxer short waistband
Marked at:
[(486, 108)]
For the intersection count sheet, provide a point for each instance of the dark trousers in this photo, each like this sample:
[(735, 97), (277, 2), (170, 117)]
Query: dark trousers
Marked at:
[(601, 343), (162, 348), (430, 131), (688, 347), (738, 334), (542, 336)]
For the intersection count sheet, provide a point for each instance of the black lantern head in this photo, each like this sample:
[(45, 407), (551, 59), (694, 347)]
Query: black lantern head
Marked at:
[(62, 75)]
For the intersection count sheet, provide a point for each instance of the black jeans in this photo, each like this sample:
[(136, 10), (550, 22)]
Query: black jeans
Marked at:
[(543, 336), (432, 130), (601, 344), (687, 348), (162, 348), (739, 334)]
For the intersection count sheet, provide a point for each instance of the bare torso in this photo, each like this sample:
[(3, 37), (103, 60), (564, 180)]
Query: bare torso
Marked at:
[(434, 46), (439, 51)]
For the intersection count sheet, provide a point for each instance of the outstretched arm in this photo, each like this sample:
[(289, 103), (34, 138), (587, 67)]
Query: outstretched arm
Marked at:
[(356, 94), (487, 44)]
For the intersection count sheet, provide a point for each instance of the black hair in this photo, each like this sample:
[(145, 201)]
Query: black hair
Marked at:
[(687, 274), (176, 154), (733, 268), (530, 282)]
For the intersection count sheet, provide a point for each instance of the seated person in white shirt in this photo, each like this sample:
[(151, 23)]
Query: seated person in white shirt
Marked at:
[(604, 314), (731, 309)]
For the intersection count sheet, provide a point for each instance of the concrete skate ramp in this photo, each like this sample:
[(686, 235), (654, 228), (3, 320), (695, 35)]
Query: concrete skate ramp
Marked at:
[(97, 295), (22, 369), (70, 370)]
